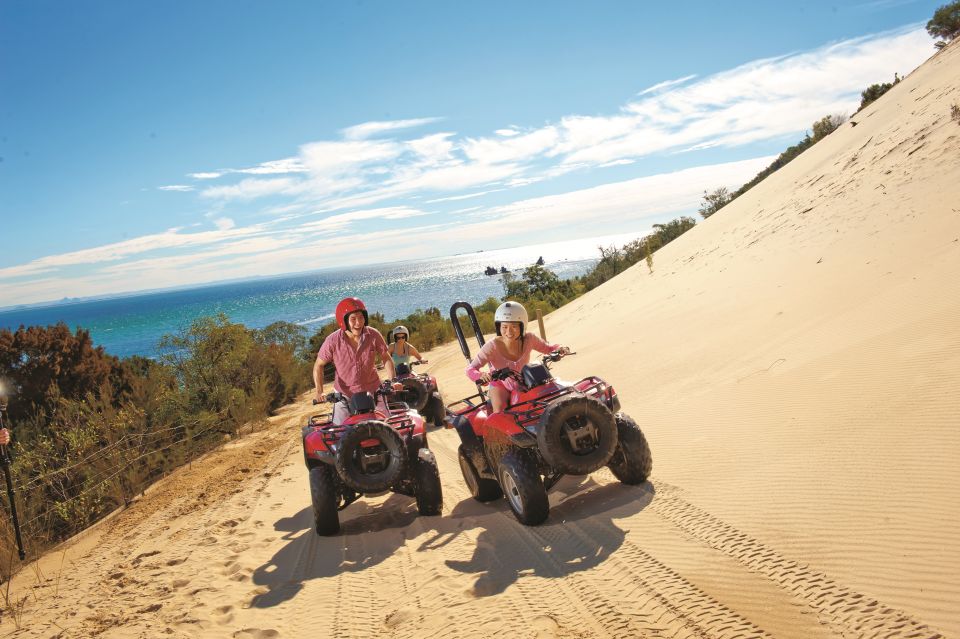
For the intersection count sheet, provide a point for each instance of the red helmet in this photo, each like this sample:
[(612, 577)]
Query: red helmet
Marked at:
[(350, 305)]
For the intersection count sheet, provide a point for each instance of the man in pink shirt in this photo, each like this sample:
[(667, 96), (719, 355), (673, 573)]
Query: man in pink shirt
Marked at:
[(353, 350)]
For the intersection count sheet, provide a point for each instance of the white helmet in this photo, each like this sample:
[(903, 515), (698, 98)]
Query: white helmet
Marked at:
[(511, 312), (399, 329)]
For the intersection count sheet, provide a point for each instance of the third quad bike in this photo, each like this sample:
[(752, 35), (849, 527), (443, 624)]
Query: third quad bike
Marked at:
[(420, 392), (550, 428), (377, 449)]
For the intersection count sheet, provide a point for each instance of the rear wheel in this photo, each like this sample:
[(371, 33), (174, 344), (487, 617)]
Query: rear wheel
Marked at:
[(482, 489), (632, 461), (577, 434), (414, 393), (436, 410), (429, 490), (323, 493), (523, 487)]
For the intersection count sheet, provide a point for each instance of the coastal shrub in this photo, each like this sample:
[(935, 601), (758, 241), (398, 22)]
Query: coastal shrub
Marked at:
[(714, 201), (827, 125), (873, 92), (46, 363), (945, 23)]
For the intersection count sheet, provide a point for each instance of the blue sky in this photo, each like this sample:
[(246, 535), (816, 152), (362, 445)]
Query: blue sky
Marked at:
[(156, 144)]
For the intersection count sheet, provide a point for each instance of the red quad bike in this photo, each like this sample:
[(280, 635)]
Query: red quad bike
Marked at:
[(371, 453), (551, 428), (420, 392)]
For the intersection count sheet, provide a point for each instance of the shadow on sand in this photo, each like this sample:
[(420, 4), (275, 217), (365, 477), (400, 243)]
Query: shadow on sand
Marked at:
[(504, 549), (365, 540), (579, 535)]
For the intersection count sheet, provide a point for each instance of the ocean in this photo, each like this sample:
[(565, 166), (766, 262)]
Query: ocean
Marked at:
[(133, 324)]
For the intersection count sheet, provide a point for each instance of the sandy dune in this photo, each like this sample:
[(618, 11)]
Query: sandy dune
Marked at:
[(794, 362)]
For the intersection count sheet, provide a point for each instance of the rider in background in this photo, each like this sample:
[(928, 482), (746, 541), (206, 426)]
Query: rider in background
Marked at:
[(511, 348), (4, 436), (401, 350), (352, 349)]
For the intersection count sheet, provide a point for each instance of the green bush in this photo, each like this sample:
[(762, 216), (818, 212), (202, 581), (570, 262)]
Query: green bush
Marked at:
[(873, 92), (945, 23)]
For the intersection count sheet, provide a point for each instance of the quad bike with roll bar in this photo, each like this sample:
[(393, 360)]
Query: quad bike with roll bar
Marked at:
[(549, 429), (380, 447)]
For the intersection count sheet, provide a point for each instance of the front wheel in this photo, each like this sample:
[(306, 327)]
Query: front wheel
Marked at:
[(631, 462), (523, 487), (429, 490), (323, 493), (481, 488)]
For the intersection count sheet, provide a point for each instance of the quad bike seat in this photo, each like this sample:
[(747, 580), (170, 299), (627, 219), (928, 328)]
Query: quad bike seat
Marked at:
[(534, 375), (362, 403)]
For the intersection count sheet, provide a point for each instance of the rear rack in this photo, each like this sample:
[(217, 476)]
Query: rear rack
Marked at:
[(398, 420), (528, 413)]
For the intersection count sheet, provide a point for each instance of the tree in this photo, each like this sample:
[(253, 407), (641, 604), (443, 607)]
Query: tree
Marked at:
[(714, 201), (666, 233), (945, 23), (47, 363), (284, 334), (827, 125), (874, 91)]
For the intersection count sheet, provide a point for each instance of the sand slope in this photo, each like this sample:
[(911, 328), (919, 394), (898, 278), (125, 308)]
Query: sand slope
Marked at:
[(794, 362)]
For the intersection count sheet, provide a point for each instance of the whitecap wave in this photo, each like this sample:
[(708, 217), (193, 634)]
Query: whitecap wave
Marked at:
[(314, 320)]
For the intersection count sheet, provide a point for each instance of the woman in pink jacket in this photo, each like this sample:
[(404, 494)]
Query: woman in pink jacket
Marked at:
[(511, 348)]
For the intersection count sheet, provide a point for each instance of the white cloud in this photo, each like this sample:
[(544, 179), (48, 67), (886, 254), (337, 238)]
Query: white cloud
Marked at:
[(273, 167), (208, 175), (467, 196), (176, 187), (250, 188), (512, 149), (369, 129), (224, 223), (337, 222), (617, 163), (170, 239), (650, 196), (667, 84)]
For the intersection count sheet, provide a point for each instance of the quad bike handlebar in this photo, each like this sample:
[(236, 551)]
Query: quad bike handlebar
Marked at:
[(506, 373), (385, 389)]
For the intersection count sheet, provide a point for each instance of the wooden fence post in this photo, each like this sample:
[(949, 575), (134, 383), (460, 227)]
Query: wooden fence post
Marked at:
[(543, 333)]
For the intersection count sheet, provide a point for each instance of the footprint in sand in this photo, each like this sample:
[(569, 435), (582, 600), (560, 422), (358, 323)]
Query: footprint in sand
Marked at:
[(179, 583), (255, 633), (176, 562), (136, 560), (546, 627), (243, 575), (225, 615), (398, 617)]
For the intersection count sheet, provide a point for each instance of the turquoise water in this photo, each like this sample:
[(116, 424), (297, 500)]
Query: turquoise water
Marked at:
[(134, 324)]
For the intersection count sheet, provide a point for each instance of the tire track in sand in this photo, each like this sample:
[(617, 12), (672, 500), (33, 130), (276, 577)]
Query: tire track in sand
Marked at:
[(845, 611), (634, 595)]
